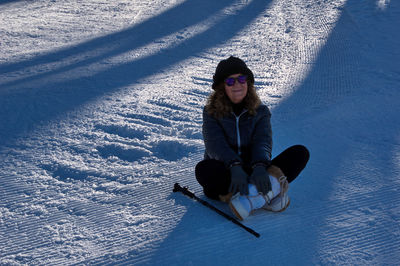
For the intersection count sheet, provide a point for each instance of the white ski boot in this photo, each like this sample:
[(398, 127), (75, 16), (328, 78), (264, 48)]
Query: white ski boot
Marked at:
[(243, 205), (280, 188)]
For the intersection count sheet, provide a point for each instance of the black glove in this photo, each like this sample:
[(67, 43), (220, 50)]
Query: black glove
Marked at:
[(239, 180), (260, 179)]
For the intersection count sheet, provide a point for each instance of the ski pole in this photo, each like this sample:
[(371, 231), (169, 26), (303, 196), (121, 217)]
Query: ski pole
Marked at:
[(190, 194)]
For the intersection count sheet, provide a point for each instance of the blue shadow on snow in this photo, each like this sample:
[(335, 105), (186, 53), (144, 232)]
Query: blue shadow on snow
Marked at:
[(43, 102)]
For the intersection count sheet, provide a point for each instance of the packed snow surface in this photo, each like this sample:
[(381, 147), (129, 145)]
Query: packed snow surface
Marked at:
[(100, 114)]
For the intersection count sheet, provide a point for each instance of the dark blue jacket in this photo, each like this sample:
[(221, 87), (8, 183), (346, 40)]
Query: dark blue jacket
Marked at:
[(244, 138)]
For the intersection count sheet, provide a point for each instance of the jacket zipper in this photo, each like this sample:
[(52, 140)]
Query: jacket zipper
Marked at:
[(238, 131)]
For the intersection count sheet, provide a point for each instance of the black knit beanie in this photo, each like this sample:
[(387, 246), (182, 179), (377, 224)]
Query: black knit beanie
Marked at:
[(230, 66)]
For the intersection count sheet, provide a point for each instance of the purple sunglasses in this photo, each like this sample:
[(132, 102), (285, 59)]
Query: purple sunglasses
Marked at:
[(231, 81)]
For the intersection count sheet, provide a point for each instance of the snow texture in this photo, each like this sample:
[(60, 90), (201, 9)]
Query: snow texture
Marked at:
[(100, 114)]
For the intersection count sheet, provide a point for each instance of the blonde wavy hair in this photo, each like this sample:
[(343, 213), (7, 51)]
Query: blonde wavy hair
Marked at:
[(219, 105)]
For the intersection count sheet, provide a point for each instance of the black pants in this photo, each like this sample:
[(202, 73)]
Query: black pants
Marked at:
[(215, 178)]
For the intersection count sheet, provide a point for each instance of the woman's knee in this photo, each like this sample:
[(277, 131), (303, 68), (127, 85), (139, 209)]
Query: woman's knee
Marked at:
[(213, 177), (302, 152)]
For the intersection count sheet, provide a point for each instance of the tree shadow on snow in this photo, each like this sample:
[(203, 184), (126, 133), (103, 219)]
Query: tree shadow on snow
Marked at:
[(36, 99), (346, 112), (2, 2)]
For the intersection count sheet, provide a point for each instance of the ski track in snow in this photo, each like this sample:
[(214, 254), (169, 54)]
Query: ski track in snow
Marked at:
[(100, 110)]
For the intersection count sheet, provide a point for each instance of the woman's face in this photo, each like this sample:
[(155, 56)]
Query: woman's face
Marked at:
[(237, 91)]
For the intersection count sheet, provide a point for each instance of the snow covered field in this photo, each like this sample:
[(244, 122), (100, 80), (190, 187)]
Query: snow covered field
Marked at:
[(100, 114)]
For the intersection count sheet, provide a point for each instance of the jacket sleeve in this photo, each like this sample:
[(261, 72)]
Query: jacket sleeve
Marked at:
[(216, 144), (261, 143)]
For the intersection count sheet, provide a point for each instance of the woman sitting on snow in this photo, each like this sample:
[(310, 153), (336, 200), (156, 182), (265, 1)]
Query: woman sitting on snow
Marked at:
[(237, 167)]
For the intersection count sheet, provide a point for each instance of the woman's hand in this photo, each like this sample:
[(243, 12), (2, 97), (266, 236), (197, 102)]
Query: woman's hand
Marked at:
[(260, 179), (239, 180)]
